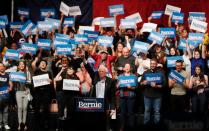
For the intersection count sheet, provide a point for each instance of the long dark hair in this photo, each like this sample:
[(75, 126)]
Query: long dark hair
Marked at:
[(201, 75)]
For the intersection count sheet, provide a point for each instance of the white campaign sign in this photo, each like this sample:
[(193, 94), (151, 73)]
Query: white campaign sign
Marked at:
[(96, 21), (170, 9), (199, 25), (41, 80), (148, 27), (135, 16), (82, 28), (74, 11), (64, 8), (72, 85)]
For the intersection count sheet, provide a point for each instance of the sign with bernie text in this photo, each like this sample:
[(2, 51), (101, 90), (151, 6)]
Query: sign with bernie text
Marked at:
[(27, 27), (149, 27), (105, 41), (48, 12), (182, 44), (2, 23), (127, 81), (89, 104), (69, 21), (153, 77), (41, 80), (55, 22), (72, 85), (44, 44), (45, 25), (168, 32), (171, 60), (23, 12), (127, 24), (157, 14), (12, 54), (176, 76), (170, 9), (178, 17), (62, 36), (197, 15), (63, 49), (116, 10), (199, 25), (79, 38), (58, 41), (29, 48), (107, 22), (155, 36), (136, 16), (141, 46), (17, 77), (16, 25), (198, 37), (92, 35)]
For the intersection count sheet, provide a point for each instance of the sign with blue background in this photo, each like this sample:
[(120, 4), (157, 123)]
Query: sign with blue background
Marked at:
[(12, 54), (177, 17), (29, 48), (126, 81), (168, 32), (105, 41), (17, 77), (176, 76), (171, 60), (44, 44), (116, 9), (155, 36)]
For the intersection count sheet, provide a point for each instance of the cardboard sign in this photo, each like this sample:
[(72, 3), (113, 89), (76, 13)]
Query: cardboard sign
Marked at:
[(17, 77), (136, 16), (29, 48), (198, 37), (171, 60), (127, 24), (182, 44), (141, 46), (96, 21), (16, 25), (178, 77), (2, 23), (71, 85), (126, 81), (105, 41), (69, 21), (74, 11), (62, 36), (55, 22), (89, 104), (178, 17), (116, 10), (170, 9), (197, 15), (41, 80), (149, 27), (199, 25), (23, 12), (44, 44), (155, 36), (45, 25), (64, 8), (80, 38), (193, 44), (168, 32), (153, 77), (5, 18), (26, 27), (157, 14), (92, 35), (83, 28), (107, 22), (12, 54), (63, 49), (58, 41), (48, 12)]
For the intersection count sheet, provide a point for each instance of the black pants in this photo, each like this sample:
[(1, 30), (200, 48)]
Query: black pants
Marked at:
[(178, 103), (199, 103)]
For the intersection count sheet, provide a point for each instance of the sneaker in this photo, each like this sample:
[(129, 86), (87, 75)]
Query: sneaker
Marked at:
[(7, 127)]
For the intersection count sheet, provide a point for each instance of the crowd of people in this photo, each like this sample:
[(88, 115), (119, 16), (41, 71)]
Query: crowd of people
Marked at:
[(99, 70)]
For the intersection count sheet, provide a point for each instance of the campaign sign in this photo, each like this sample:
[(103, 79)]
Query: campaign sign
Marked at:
[(17, 77), (156, 14), (27, 27), (92, 35), (149, 27), (63, 49), (2, 23), (45, 25), (16, 25), (48, 12), (62, 36), (126, 81), (193, 44), (116, 10), (105, 41), (64, 8), (168, 32), (23, 11), (5, 18), (29, 48), (41, 80), (82, 28), (69, 21), (141, 46), (58, 41), (71, 85), (171, 60), (199, 25), (178, 77), (153, 77), (56, 23), (136, 16), (34, 30), (44, 44), (96, 21), (197, 15), (12, 54), (182, 44), (80, 38), (155, 36), (74, 11), (4, 91), (107, 22), (127, 24), (89, 104), (178, 17), (196, 37), (170, 9)]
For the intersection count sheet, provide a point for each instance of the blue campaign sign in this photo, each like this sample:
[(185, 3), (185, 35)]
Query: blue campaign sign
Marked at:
[(45, 25), (153, 77), (178, 77), (56, 23), (168, 32), (157, 14), (177, 17), (141, 46), (44, 44), (198, 37), (69, 21), (89, 104), (193, 44), (126, 81), (62, 36), (2, 23), (105, 41), (107, 22), (5, 18), (182, 44), (27, 27), (58, 41), (45, 12), (17, 77), (92, 35), (4, 91), (116, 9), (127, 24), (23, 11), (171, 60), (80, 38), (16, 25), (155, 36), (29, 48), (12, 54), (197, 15), (63, 49)]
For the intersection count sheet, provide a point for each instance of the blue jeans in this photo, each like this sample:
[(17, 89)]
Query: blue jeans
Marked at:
[(150, 103), (4, 109), (127, 103)]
